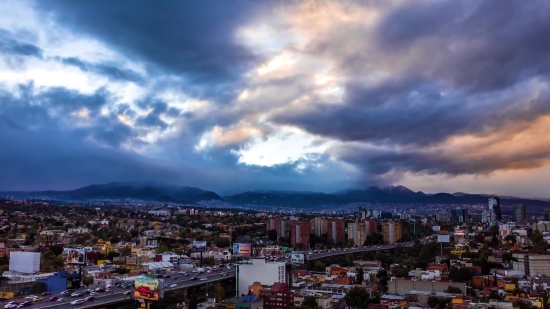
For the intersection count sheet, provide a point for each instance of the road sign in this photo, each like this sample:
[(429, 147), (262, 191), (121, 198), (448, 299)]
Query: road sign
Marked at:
[(297, 258)]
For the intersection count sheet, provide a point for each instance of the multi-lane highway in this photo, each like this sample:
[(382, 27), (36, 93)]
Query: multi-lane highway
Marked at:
[(185, 281), (117, 293)]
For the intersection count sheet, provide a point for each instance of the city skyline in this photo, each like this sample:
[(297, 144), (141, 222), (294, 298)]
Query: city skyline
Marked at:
[(439, 96)]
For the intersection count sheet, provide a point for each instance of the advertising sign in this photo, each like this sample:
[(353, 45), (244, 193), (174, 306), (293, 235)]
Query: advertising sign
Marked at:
[(242, 249), (436, 228), (146, 288), (297, 258), (76, 256), (198, 246), (459, 232), (444, 238)]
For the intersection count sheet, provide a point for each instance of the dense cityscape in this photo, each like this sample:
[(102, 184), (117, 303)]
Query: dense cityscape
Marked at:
[(118, 256)]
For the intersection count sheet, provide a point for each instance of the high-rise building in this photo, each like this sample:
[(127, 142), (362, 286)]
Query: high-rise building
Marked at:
[(271, 223), (299, 234), (359, 230), (459, 215), (282, 227), (520, 213), (319, 226), (391, 232), (335, 231), (494, 208)]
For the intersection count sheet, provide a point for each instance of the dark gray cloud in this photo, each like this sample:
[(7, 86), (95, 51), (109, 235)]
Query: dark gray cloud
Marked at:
[(111, 70), (10, 45), (193, 40), (474, 45)]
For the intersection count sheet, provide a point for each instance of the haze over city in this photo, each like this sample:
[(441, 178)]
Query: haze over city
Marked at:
[(439, 96)]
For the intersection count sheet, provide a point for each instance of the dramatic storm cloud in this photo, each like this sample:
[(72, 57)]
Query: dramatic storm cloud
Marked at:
[(304, 95)]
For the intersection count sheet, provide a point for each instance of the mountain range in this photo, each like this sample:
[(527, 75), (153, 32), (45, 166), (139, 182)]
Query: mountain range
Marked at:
[(295, 199)]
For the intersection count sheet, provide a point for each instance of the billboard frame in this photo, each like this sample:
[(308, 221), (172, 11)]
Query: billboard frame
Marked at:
[(242, 249), (297, 258), (80, 260), (444, 238), (199, 246), (148, 283)]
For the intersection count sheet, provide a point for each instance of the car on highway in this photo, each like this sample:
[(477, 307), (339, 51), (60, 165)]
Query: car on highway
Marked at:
[(89, 298), (11, 304), (46, 294), (37, 299), (224, 274), (25, 304), (54, 298), (31, 297), (203, 279), (99, 290), (65, 293), (60, 300), (193, 278), (77, 294), (173, 285), (77, 302)]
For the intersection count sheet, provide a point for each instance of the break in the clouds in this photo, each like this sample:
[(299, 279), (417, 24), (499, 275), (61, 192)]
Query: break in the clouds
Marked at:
[(304, 95)]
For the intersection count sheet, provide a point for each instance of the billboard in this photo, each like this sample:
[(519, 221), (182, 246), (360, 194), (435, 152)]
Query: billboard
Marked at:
[(76, 256), (146, 288), (459, 232), (198, 246), (436, 228), (242, 249), (443, 238), (25, 262), (297, 258)]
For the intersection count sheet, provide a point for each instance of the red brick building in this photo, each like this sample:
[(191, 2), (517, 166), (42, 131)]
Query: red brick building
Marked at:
[(299, 234), (278, 296), (335, 231)]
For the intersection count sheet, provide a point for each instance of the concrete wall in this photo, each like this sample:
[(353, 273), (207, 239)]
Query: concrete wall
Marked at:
[(401, 287)]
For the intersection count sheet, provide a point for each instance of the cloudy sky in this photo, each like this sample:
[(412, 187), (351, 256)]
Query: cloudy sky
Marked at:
[(294, 95)]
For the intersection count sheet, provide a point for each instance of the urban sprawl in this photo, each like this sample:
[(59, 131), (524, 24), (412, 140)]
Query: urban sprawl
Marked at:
[(123, 256)]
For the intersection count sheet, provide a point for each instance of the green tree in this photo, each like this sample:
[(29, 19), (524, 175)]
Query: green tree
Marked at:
[(382, 276), (399, 271), (272, 235), (87, 281), (453, 289), (309, 303), (38, 287), (57, 250), (460, 274), (162, 249), (432, 301), (193, 302), (319, 266), (222, 242), (357, 297), (4, 268), (360, 275), (219, 292)]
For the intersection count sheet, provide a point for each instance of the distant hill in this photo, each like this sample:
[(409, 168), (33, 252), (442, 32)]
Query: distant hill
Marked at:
[(293, 199), (392, 194), (130, 190)]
